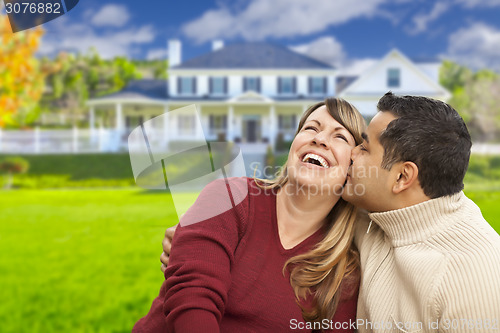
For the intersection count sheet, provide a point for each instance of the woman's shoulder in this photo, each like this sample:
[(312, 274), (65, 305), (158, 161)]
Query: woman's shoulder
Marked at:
[(224, 200)]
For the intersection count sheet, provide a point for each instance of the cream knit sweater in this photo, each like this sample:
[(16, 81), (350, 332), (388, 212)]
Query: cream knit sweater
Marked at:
[(431, 267)]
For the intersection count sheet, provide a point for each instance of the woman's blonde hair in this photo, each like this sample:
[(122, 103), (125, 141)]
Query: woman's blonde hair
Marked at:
[(324, 270)]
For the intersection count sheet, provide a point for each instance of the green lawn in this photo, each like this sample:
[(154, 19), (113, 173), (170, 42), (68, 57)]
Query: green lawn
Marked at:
[(80, 260), (88, 260)]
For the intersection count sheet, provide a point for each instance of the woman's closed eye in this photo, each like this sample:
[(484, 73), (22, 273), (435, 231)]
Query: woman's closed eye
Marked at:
[(310, 128), (341, 136)]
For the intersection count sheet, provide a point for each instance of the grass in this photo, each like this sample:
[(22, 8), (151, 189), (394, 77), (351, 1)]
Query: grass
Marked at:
[(80, 260), (88, 260)]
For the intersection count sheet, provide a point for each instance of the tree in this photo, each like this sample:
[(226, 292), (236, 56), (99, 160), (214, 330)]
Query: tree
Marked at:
[(476, 96), (21, 80), (80, 77)]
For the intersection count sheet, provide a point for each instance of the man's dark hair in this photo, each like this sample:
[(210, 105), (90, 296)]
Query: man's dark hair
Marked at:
[(431, 134)]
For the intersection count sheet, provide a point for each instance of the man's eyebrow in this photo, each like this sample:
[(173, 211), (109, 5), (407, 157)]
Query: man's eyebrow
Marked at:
[(365, 137)]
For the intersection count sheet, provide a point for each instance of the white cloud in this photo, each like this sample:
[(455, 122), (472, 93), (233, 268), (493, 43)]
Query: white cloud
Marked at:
[(421, 21), (325, 49), (111, 16), (155, 54), (479, 3), (477, 46), (277, 19), (65, 35)]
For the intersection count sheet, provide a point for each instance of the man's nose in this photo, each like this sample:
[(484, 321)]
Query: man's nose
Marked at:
[(355, 152)]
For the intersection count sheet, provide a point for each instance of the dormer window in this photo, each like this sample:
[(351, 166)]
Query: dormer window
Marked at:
[(286, 85), (186, 85), (393, 78), (218, 85), (251, 83), (317, 85)]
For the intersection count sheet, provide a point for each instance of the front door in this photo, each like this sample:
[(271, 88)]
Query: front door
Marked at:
[(251, 128)]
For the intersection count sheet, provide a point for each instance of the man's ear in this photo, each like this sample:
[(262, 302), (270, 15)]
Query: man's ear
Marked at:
[(407, 175)]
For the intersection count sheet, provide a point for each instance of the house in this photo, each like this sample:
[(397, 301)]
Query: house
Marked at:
[(394, 72), (254, 93), (250, 93)]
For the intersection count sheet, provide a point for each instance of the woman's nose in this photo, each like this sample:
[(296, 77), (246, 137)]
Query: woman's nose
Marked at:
[(320, 139)]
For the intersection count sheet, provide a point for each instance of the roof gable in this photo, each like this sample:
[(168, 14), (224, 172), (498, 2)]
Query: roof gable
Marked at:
[(253, 55), (413, 79)]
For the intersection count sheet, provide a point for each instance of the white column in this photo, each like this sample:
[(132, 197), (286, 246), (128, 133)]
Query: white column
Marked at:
[(272, 126), (166, 127), (92, 123), (199, 124), (119, 117), (230, 121), (37, 140), (101, 138)]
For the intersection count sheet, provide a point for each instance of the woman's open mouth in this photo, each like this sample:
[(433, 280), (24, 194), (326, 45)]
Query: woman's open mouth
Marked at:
[(316, 160)]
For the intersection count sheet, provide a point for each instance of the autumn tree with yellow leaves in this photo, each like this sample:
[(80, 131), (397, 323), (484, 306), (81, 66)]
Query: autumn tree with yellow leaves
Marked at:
[(21, 79)]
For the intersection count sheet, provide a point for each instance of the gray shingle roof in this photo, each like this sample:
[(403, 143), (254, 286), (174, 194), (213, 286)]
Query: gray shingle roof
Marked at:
[(141, 89), (253, 55), (344, 82)]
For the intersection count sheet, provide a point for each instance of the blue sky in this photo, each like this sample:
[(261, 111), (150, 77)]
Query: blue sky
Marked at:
[(347, 33)]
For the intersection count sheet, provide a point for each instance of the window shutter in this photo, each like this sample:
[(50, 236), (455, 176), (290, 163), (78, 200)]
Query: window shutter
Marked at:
[(225, 86), (194, 85), (211, 122), (179, 85), (294, 85), (245, 84), (279, 85), (325, 85), (310, 85), (224, 122), (280, 121), (258, 84), (211, 85)]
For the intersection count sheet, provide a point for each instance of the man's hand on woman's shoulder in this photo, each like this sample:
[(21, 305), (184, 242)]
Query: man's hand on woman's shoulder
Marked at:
[(167, 245)]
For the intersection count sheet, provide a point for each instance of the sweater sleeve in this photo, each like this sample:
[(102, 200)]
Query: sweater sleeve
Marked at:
[(198, 276), (469, 294)]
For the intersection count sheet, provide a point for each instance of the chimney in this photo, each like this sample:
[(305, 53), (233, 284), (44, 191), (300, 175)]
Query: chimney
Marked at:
[(217, 44), (174, 52)]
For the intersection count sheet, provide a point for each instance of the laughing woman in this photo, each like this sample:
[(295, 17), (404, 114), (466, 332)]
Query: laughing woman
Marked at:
[(281, 259)]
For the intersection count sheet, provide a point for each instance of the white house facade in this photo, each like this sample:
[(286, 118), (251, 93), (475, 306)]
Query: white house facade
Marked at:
[(250, 93), (397, 73)]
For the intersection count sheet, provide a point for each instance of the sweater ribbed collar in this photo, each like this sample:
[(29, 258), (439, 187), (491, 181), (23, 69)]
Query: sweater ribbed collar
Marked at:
[(419, 222)]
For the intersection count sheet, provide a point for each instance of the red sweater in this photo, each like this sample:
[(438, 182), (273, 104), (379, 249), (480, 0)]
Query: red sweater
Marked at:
[(225, 274)]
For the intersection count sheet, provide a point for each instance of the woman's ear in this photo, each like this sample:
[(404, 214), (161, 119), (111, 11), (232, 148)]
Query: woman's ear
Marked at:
[(407, 176)]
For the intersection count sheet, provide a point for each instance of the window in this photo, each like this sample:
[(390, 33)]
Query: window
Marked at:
[(218, 123), (286, 85), (251, 83), (186, 85), (287, 122), (218, 85), (393, 77), (186, 125), (317, 85)]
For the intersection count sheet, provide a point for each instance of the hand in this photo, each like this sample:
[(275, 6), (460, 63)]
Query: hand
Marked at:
[(167, 245)]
